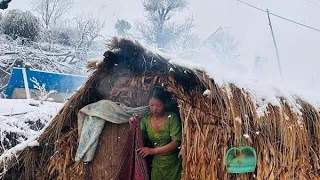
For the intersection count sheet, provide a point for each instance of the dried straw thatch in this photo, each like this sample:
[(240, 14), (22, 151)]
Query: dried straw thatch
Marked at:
[(288, 143)]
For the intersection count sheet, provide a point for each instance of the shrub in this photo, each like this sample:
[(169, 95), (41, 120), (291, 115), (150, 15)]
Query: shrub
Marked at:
[(17, 23)]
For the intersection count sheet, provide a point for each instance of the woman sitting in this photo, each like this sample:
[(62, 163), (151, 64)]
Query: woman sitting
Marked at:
[(163, 130)]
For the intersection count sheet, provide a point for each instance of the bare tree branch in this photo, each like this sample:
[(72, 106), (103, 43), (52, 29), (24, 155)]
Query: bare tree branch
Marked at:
[(3, 87), (89, 28), (51, 10), (4, 71), (223, 44)]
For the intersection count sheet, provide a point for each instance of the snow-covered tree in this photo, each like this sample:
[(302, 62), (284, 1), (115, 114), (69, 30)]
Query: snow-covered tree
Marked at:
[(17, 23), (122, 27), (50, 11), (159, 28)]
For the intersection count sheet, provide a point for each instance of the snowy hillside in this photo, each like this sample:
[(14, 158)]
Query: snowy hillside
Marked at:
[(41, 56)]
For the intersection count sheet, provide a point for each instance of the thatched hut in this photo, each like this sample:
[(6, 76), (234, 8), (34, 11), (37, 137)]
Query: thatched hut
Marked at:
[(287, 142)]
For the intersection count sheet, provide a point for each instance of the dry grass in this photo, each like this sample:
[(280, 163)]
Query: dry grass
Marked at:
[(287, 144)]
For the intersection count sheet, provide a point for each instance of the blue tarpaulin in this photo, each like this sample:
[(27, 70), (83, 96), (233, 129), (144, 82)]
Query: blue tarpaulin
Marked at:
[(62, 83)]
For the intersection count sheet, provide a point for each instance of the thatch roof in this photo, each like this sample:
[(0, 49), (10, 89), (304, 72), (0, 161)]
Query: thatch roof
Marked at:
[(287, 142)]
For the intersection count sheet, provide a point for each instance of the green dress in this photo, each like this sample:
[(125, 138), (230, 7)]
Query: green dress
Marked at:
[(164, 166)]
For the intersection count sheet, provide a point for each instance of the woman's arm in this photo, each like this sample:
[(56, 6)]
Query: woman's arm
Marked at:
[(172, 146)]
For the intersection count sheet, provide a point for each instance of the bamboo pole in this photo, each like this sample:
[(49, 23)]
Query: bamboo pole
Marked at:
[(275, 45)]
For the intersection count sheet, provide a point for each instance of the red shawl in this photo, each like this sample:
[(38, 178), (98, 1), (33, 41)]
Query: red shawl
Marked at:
[(132, 166)]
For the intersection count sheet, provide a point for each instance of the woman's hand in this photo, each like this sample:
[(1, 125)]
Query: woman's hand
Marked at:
[(145, 151), (133, 118)]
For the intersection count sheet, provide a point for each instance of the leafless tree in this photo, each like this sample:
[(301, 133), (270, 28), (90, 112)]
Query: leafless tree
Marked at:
[(89, 28), (223, 44), (186, 39), (158, 28), (50, 11)]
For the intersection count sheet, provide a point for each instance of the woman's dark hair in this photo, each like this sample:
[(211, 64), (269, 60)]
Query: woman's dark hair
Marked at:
[(159, 93), (165, 97)]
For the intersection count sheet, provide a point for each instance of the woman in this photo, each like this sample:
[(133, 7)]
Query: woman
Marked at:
[(163, 130)]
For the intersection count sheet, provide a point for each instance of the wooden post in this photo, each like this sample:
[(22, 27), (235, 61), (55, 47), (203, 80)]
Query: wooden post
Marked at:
[(275, 45), (26, 85)]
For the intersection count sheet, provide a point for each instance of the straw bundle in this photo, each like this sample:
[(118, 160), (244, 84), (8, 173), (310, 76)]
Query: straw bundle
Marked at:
[(287, 144)]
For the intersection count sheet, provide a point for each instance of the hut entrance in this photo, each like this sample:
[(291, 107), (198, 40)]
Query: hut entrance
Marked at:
[(105, 122)]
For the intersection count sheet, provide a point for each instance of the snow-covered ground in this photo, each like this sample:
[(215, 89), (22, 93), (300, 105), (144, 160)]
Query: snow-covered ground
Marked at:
[(20, 121)]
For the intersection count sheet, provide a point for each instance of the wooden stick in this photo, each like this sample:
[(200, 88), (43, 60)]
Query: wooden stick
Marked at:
[(275, 45)]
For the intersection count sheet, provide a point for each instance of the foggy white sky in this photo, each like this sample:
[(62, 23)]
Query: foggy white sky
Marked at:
[(298, 46)]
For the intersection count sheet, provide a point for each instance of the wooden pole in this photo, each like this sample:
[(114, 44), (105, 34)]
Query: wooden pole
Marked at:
[(275, 45), (25, 81)]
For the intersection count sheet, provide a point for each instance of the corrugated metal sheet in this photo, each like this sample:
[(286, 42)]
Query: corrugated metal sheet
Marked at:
[(62, 83)]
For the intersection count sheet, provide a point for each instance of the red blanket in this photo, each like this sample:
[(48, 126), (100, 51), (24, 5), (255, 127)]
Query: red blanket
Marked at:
[(132, 166)]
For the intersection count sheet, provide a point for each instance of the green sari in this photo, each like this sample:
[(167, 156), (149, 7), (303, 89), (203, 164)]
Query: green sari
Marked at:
[(164, 166)]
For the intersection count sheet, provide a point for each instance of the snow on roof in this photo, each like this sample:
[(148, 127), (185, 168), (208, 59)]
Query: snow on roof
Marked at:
[(261, 92)]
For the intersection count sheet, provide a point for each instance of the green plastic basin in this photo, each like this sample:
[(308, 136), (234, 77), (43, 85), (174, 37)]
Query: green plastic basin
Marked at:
[(241, 159)]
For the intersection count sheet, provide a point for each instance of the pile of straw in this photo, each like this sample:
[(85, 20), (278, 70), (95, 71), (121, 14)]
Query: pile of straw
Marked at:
[(287, 144)]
